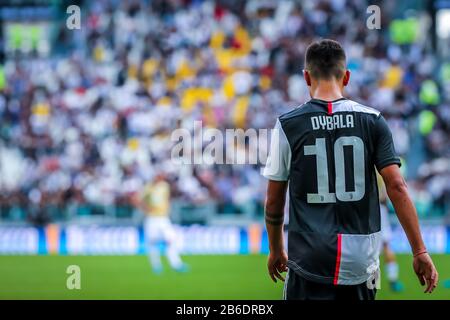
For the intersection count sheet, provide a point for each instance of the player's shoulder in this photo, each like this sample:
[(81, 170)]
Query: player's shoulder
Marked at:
[(347, 105), (299, 110)]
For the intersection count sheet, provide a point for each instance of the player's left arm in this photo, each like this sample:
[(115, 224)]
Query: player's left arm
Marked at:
[(387, 164), (406, 212)]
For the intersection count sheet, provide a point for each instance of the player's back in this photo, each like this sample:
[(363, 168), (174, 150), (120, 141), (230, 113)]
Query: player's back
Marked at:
[(334, 223)]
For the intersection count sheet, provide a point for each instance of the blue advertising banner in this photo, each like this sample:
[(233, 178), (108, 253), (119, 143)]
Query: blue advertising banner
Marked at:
[(194, 239)]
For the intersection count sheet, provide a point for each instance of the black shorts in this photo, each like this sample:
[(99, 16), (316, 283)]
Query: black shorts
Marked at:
[(298, 288)]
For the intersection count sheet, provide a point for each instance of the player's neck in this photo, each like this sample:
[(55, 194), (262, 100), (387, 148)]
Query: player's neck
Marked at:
[(326, 90)]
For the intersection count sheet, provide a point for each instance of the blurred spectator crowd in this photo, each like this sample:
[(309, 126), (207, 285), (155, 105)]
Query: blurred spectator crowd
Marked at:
[(88, 126)]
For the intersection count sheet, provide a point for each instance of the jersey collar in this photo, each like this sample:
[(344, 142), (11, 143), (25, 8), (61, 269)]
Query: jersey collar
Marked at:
[(326, 102)]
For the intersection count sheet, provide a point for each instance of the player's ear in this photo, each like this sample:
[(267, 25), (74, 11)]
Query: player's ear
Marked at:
[(307, 77), (346, 79)]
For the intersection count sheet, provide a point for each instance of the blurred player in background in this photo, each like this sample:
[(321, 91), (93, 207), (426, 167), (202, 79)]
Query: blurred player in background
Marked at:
[(391, 265), (154, 201)]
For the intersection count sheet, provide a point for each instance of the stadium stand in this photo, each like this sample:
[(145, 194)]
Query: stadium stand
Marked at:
[(87, 119)]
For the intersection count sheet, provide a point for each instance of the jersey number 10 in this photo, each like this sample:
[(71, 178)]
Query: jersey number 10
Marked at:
[(319, 150)]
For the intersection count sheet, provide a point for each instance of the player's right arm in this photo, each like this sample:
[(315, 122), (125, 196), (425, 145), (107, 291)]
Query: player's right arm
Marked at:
[(277, 171), (388, 164), (274, 218)]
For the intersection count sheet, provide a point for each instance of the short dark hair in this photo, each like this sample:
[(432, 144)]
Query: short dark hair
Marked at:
[(325, 59)]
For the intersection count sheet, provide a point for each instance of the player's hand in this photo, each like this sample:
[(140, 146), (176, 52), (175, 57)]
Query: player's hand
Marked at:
[(276, 264), (425, 271)]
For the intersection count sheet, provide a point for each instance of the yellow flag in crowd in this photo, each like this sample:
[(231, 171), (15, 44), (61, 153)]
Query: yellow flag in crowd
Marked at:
[(149, 68), (192, 96), (240, 111), (393, 77), (41, 109), (217, 40), (228, 87)]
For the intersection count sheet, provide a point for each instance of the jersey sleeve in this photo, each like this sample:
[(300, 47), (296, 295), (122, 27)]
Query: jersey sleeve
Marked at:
[(278, 163), (384, 145)]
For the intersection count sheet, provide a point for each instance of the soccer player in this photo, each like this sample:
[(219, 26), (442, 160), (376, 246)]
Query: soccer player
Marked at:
[(154, 201), (327, 150)]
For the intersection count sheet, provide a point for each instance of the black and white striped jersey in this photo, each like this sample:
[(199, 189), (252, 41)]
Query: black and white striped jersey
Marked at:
[(328, 151)]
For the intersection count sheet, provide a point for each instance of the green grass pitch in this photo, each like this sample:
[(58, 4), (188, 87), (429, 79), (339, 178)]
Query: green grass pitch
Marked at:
[(130, 277)]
